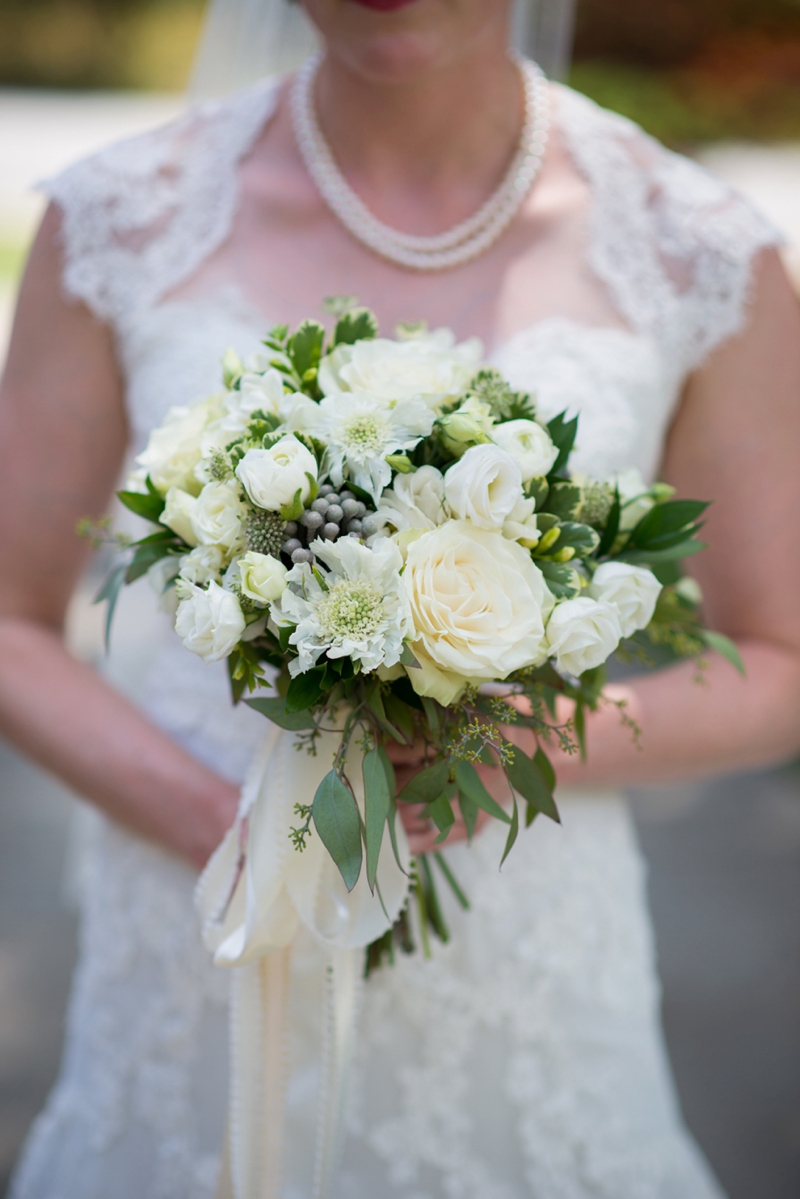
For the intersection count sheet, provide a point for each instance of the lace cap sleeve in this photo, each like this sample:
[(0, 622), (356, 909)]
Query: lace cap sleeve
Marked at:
[(142, 215), (673, 243)]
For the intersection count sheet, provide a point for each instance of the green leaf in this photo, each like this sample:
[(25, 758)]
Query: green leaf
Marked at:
[(304, 347), (451, 880), (404, 691), (560, 578), (666, 518), (612, 526), (512, 833), (401, 716), (426, 786), (407, 656), (441, 813), (562, 434), (146, 556), (337, 822), (583, 538), (537, 490), (274, 708), (284, 633), (358, 324), (110, 591), (546, 767), (377, 802), (294, 509), (469, 810), (469, 781), (150, 506), (564, 500), (431, 711), (526, 778), (432, 900), (723, 645), (304, 690), (686, 549)]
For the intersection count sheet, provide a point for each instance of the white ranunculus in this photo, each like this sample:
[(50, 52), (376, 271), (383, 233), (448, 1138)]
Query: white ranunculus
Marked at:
[(529, 443), (582, 633), (483, 486), (520, 524), (217, 516), (478, 604), (431, 366), (360, 430), (631, 590), (263, 577), (202, 565), (175, 446), (414, 501), (273, 477), (362, 612), (177, 514), (210, 622)]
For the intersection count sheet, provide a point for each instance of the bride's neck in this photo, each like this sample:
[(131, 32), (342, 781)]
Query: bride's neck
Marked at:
[(437, 145)]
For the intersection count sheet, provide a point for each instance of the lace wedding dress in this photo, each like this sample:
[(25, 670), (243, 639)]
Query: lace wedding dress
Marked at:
[(526, 1059)]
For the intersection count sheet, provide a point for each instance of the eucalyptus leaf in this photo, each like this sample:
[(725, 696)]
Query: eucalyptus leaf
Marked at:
[(526, 778), (512, 833), (426, 786), (304, 690), (337, 822), (469, 811), (441, 813), (377, 801), (470, 782), (274, 708), (724, 646), (110, 592)]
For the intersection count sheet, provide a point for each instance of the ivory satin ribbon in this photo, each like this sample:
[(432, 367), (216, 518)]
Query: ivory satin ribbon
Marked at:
[(253, 897)]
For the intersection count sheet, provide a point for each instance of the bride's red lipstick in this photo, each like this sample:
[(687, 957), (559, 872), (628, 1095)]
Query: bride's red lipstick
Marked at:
[(383, 5)]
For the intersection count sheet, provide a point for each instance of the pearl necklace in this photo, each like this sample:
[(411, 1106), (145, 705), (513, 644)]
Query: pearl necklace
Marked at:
[(465, 240)]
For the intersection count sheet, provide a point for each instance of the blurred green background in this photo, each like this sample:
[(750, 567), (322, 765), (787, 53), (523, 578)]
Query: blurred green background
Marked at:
[(688, 70)]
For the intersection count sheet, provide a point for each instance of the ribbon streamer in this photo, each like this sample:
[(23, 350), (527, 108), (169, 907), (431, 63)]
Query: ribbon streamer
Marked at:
[(253, 896)]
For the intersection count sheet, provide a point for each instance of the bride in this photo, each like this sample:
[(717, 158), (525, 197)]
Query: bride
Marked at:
[(526, 1059)]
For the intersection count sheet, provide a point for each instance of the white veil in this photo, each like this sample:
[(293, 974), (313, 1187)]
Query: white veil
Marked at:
[(244, 40)]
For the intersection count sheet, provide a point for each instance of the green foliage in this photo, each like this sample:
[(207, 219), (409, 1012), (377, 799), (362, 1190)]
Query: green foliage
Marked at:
[(337, 822), (377, 804), (149, 504), (561, 579), (564, 501), (274, 708), (528, 780), (505, 404), (110, 592), (562, 433), (357, 324)]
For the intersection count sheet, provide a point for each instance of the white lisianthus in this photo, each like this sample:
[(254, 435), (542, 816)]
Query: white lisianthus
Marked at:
[(431, 366), (471, 424), (529, 443), (263, 577), (478, 604), (202, 565), (362, 612), (359, 431), (217, 516), (177, 514), (175, 446), (210, 622), (273, 477), (520, 524), (582, 633), (483, 486), (414, 501), (631, 590)]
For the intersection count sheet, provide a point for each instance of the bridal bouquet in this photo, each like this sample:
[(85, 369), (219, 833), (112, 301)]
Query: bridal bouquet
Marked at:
[(387, 537)]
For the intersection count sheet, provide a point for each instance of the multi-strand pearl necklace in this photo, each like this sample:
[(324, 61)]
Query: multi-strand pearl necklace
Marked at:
[(465, 240)]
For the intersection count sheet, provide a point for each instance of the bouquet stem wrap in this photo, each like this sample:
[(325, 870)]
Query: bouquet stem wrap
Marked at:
[(253, 897)]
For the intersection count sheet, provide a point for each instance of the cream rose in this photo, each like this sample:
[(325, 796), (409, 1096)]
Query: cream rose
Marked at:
[(263, 577), (177, 514), (631, 590), (217, 516), (202, 566), (175, 447), (529, 443), (431, 366), (582, 633), (273, 477), (478, 605), (414, 501), (210, 622), (483, 486)]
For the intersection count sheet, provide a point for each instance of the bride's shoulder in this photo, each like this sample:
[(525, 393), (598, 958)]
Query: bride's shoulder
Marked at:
[(138, 215)]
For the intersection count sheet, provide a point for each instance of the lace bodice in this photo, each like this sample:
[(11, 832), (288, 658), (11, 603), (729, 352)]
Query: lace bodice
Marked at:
[(526, 1060)]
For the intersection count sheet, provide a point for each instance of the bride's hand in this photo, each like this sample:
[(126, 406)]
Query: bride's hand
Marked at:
[(408, 760)]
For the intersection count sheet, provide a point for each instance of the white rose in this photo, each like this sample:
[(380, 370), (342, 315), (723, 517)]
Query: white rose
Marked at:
[(431, 366), (483, 486), (175, 447), (218, 514), (520, 524), (272, 477), (631, 590), (582, 633), (478, 604), (414, 501), (529, 443), (202, 565), (210, 623), (177, 514), (263, 577)]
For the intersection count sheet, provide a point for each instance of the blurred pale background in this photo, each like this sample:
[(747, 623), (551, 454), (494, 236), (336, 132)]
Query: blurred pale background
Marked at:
[(719, 79)]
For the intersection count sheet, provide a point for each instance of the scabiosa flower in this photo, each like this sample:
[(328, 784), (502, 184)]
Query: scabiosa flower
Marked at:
[(358, 610), (360, 431)]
